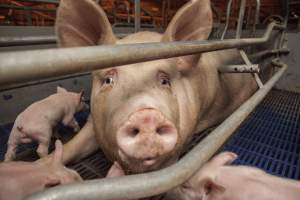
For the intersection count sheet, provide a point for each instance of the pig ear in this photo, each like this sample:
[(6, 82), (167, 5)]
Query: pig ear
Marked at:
[(61, 90), (192, 22), (80, 95), (210, 188), (82, 23)]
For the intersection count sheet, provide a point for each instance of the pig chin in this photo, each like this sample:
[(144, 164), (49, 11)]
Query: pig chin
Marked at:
[(135, 166)]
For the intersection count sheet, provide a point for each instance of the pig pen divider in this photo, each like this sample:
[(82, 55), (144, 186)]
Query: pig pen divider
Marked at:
[(133, 186), (32, 65), (40, 64)]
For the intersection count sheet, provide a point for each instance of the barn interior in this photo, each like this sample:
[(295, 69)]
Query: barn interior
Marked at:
[(268, 138)]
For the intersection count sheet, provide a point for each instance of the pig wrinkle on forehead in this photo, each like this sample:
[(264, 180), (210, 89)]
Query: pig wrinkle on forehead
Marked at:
[(144, 70), (141, 37)]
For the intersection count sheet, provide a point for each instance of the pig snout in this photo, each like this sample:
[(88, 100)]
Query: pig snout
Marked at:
[(146, 136)]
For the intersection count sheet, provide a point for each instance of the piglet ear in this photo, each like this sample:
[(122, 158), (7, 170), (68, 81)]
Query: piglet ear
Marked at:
[(80, 96), (61, 90), (210, 189), (82, 23), (193, 21), (81, 93)]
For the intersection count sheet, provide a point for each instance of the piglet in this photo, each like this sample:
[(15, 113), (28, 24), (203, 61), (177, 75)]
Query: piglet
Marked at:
[(20, 179), (219, 181), (37, 121)]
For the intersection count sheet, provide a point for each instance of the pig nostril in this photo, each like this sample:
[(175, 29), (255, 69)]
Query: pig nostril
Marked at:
[(134, 132), (163, 130)]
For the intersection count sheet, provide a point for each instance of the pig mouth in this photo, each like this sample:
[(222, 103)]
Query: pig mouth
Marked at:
[(139, 165)]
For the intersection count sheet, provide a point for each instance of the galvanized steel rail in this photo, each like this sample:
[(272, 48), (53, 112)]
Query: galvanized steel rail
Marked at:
[(18, 67), (28, 40), (131, 187)]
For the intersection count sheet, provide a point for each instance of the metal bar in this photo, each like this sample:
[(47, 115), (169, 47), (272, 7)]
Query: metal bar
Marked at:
[(29, 18), (40, 1), (269, 52), (248, 62), (131, 187), (239, 69), (227, 19), (39, 64), (241, 19), (35, 40), (257, 14), (32, 40), (137, 14), (26, 8)]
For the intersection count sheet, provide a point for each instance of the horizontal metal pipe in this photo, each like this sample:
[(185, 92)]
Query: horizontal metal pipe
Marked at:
[(6, 6), (41, 1), (239, 69), (35, 40), (153, 183), (27, 40), (17, 67), (269, 52)]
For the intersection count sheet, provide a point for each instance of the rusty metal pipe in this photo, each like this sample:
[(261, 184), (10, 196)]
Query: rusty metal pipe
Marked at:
[(131, 187), (17, 67)]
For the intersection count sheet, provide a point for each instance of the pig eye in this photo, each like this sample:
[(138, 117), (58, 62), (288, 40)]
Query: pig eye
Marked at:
[(108, 81), (165, 82), (164, 79), (109, 78)]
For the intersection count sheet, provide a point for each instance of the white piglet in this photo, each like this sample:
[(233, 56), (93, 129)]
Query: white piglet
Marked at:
[(37, 121)]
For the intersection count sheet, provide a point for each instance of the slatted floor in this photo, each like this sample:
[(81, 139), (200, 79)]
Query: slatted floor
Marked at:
[(268, 139)]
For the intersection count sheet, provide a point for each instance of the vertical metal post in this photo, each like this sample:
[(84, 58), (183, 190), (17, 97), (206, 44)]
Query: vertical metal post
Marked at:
[(241, 19), (29, 18), (227, 18), (137, 19), (257, 14)]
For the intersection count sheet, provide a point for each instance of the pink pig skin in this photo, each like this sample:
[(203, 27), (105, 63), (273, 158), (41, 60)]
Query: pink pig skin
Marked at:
[(218, 181), (20, 179), (144, 114), (37, 121)]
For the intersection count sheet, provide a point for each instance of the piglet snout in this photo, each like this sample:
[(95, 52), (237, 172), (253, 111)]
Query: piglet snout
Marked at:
[(146, 135)]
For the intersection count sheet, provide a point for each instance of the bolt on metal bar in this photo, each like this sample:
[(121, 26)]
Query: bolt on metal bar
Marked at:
[(28, 40), (131, 187), (241, 19), (239, 69), (248, 62), (39, 64), (227, 19)]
